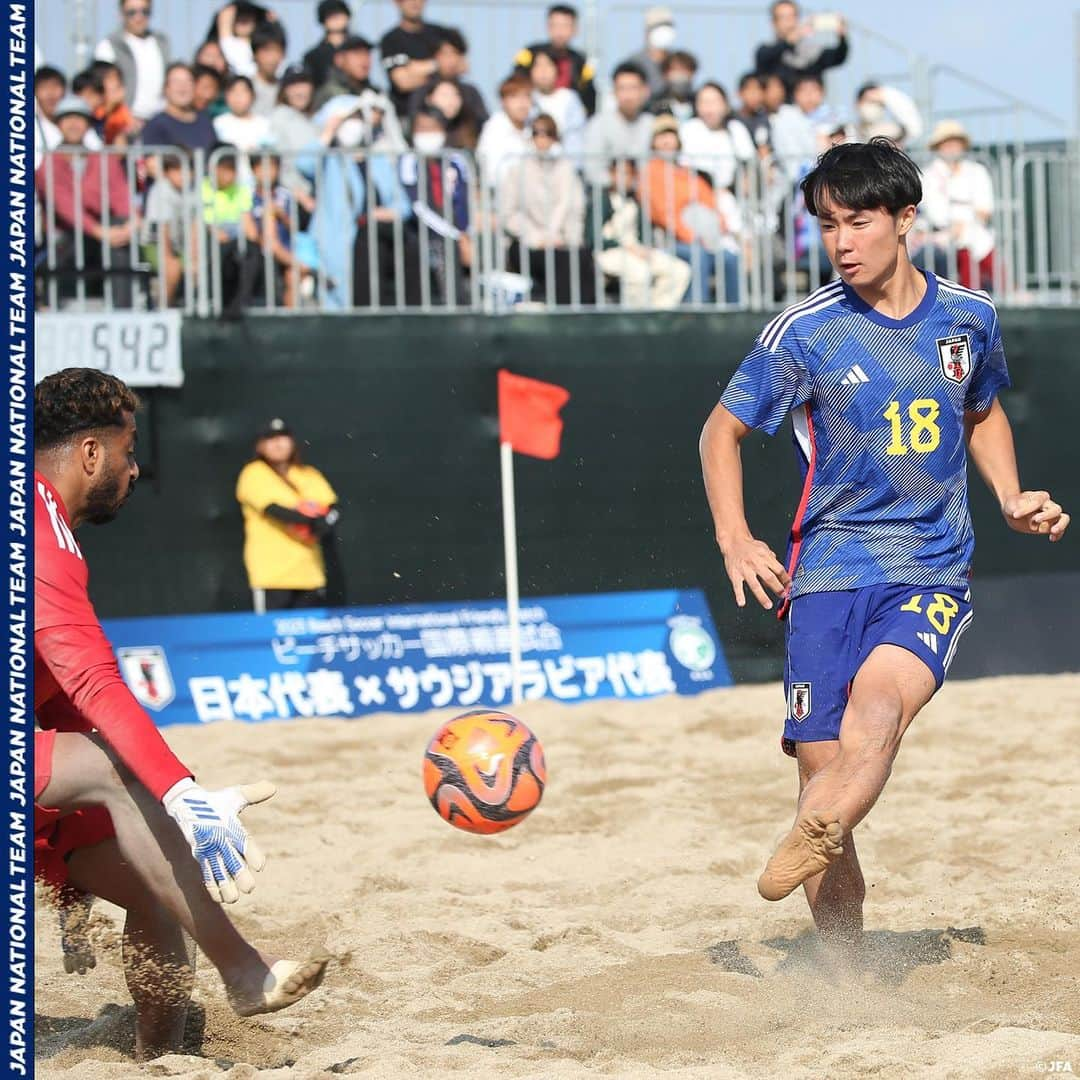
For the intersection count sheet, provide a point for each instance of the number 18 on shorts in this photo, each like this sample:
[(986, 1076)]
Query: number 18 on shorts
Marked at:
[(830, 635)]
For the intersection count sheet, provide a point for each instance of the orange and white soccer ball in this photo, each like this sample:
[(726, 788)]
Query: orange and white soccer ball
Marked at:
[(484, 771)]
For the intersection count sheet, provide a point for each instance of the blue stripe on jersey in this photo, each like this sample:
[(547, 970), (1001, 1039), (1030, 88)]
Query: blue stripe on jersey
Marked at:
[(887, 500)]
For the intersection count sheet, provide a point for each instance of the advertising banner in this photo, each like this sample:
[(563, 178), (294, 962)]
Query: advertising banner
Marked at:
[(349, 662)]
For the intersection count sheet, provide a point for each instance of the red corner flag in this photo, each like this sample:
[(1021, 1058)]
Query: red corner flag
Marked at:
[(529, 415)]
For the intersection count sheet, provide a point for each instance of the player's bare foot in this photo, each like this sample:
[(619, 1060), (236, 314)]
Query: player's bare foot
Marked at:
[(284, 984), (814, 841)]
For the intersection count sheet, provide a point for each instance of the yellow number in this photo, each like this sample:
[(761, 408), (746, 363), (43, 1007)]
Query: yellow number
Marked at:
[(941, 612), (892, 414), (925, 433), (914, 604)]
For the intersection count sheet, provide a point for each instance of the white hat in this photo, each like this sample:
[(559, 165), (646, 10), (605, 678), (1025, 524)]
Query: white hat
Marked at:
[(659, 16), (949, 129)]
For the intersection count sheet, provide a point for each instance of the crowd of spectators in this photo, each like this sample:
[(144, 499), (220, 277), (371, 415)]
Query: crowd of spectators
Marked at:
[(653, 193)]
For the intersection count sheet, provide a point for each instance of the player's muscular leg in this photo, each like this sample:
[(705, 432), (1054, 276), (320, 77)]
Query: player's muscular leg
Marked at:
[(889, 690), (835, 894), (160, 875)]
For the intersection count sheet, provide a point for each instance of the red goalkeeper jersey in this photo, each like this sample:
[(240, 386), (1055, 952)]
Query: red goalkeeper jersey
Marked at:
[(77, 685)]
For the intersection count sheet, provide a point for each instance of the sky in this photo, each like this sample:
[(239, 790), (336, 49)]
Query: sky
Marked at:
[(1027, 49)]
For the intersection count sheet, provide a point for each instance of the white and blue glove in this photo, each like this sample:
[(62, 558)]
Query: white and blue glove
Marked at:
[(210, 823)]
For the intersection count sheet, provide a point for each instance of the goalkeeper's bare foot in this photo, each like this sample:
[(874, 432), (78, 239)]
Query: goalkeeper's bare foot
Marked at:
[(284, 984), (815, 840)]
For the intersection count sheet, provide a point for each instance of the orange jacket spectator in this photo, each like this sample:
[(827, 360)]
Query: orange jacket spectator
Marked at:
[(670, 189), (118, 122), (85, 170)]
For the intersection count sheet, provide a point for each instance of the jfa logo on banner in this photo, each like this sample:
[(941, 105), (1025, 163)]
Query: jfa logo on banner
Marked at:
[(955, 356), (146, 671)]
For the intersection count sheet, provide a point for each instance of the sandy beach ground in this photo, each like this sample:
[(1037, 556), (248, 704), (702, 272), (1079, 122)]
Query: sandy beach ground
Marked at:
[(618, 932)]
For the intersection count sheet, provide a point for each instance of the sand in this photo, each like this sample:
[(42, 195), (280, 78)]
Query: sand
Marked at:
[(618, 931)]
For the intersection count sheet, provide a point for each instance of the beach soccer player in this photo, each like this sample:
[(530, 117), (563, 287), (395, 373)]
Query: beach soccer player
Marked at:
[(889, 373), (116, 814)]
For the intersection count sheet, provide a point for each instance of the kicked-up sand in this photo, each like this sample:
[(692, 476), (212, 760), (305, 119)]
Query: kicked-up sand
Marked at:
[(618, 931)]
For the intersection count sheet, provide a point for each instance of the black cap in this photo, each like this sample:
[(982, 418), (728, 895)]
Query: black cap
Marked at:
[(354, 41), (296, 73), (277, 426)]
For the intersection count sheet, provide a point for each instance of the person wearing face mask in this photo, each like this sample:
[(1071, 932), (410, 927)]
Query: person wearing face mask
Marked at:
[(884, 110), (541, 205), (958, 209), (713, 143), (660, 39), (341, 183), (437, 185), (677, 95)]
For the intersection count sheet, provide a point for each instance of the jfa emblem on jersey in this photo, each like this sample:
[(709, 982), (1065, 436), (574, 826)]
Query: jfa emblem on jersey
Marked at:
[(799, 701), (146, 671), (955, 356)]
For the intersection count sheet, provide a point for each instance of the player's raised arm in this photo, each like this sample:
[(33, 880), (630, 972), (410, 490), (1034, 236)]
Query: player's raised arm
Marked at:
[(750, 563), (990, 443)]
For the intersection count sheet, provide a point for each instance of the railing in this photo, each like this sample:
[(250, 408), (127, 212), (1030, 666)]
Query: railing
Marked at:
[(376, 233)]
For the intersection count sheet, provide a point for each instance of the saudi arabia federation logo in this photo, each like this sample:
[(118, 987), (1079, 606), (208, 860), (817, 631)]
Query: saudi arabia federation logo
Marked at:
[(799, 701), (955, 356), (146, 671), (691, 644)]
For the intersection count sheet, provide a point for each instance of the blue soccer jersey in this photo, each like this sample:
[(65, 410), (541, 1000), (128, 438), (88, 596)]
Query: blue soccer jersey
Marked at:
[(877, 410)]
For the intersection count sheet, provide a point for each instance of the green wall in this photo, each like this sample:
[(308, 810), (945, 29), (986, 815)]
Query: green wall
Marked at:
[(399, 412)]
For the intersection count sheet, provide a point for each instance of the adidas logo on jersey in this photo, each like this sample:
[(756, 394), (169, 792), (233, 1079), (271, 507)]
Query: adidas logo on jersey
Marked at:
[(929, 640), (854, 376)]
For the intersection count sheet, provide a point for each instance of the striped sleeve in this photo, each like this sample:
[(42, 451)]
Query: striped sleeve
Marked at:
[(990, 373), (767, 386)]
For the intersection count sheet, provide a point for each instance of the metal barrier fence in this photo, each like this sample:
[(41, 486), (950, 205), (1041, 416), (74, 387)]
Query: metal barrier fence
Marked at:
[(365, 232)]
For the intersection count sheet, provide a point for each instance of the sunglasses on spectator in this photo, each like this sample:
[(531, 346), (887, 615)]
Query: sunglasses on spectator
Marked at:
[(131, 12)]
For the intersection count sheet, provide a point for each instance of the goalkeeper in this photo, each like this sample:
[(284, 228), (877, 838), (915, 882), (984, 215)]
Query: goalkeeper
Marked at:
[(116, 814)]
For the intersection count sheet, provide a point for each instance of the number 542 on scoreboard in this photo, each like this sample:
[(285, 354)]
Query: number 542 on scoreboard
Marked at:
[(140, 347)]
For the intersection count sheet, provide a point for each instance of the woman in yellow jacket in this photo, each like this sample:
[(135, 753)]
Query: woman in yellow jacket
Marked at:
[(289, 508)]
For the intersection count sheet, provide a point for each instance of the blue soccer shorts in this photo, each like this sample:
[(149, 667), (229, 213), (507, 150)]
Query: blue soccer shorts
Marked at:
[(830, 635)]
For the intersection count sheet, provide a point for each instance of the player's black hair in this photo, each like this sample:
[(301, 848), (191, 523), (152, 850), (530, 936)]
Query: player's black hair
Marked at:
[(628, 67), (863, 176), (562, 9), (45, 73), (327, 8), (268, 33), (455, 39), (75, 400)]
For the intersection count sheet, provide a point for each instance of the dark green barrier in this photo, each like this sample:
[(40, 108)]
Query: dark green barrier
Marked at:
[(400, 415)]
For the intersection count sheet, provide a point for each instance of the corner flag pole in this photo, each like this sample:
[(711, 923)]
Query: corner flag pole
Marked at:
[(506, 458)]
